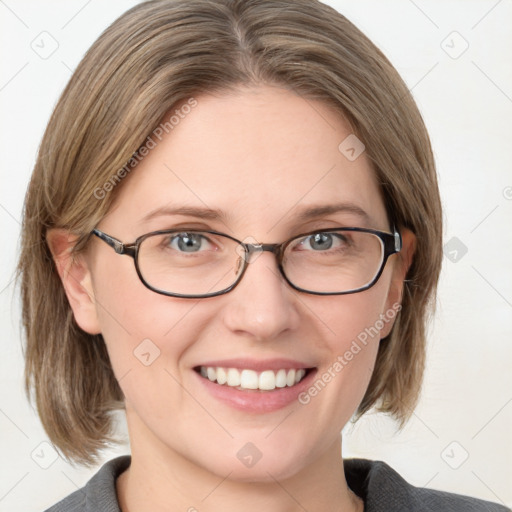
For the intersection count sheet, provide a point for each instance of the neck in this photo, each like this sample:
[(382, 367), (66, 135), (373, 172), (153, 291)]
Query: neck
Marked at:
[(161, 479)]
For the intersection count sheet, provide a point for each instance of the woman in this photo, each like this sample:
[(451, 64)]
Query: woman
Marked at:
[(233, 231)]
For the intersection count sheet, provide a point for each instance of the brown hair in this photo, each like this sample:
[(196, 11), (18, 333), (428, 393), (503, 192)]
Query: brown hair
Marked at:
[(156, 55)]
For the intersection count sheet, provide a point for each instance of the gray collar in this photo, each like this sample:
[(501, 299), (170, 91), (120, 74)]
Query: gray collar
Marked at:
[(380, 486)]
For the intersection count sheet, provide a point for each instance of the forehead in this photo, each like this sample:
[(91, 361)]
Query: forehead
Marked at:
[(259, 155)]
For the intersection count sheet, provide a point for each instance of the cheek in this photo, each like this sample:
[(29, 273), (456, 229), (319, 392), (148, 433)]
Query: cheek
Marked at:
[(355, 318), (351, 325), (141, 328)]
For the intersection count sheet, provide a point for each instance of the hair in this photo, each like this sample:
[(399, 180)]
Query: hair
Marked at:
[(155, 56)]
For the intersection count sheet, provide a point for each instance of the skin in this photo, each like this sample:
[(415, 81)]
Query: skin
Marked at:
[(259, 154)]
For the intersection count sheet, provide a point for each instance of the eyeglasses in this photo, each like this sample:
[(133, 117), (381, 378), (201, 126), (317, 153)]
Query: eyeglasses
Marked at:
[(199, 264)]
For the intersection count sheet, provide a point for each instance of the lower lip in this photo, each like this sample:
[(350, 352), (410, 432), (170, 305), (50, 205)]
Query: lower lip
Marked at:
[(256, 401)]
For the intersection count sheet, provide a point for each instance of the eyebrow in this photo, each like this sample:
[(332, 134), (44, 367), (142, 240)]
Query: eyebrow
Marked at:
[(304, 213), (323, 210)]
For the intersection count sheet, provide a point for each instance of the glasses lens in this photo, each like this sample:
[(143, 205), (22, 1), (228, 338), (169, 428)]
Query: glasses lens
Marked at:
[(189, 263), (334, 261)]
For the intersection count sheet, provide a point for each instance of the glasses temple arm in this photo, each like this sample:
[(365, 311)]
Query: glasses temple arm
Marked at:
[(116, 244)]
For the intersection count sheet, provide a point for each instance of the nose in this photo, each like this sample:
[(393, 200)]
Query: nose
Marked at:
[(262, 305)]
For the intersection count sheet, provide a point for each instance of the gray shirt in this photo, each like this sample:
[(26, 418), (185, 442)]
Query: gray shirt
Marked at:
[(382, 489)]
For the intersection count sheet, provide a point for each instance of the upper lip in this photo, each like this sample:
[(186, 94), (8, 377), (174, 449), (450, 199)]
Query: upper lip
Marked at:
[(257, 365)]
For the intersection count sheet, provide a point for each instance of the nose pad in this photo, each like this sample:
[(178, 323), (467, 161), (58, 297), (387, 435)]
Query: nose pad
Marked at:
[(253, 252), (238, 265)]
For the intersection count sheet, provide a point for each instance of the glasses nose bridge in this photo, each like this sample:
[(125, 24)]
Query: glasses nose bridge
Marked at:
[(259, 248)]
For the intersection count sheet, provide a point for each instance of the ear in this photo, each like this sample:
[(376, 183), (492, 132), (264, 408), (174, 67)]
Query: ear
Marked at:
[(400, 268), (76, 279)]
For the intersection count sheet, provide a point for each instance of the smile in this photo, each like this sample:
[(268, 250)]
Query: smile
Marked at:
[(246, 379)]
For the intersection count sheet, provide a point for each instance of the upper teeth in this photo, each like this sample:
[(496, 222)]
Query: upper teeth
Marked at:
[(249, 379)]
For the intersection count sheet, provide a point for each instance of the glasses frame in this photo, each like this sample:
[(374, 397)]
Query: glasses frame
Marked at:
[(392, 243)]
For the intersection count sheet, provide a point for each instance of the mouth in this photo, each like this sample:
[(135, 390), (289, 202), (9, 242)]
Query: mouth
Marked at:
[(245, 379)]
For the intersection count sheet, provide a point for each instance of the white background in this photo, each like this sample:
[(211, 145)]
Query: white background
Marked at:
[(466, 404)]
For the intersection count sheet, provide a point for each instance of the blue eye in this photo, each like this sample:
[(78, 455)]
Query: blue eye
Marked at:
[(323, 241), (187, 242)]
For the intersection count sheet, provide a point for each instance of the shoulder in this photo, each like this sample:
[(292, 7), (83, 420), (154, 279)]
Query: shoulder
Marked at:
[(99, 493), (383, 489)]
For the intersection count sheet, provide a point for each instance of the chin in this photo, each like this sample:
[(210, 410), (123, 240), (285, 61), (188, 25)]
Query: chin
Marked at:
[(248, 464)]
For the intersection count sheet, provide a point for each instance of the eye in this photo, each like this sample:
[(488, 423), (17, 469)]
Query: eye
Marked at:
[(323, 241), (188, 242)]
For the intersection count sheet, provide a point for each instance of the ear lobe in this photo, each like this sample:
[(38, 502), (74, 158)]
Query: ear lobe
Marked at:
[(404, 261), (76, 279)]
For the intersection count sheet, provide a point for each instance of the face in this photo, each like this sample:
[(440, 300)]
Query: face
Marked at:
[(261, 156)]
